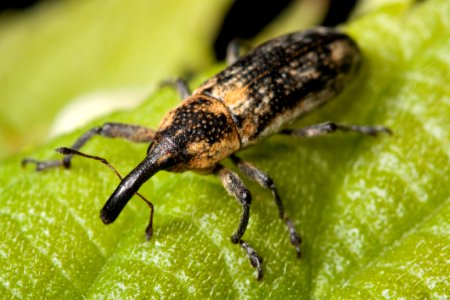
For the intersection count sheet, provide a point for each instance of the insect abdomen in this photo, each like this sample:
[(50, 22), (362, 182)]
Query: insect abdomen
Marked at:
[(283, 79)]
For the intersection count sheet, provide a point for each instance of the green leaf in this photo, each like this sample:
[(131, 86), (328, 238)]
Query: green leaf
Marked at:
[(373, 212)]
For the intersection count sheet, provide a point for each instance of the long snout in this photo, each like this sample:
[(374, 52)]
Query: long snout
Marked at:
[(127, 188)]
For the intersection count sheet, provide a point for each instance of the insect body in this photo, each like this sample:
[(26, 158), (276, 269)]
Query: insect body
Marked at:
[(256, 96)]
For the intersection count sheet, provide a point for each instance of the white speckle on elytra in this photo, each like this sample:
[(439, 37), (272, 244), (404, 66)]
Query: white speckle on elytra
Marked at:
[(262, 90)]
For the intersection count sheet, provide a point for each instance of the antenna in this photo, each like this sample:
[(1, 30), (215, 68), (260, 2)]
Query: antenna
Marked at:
[(70, 151)]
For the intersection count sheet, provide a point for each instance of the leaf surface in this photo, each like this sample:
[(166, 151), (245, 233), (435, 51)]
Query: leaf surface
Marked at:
[(373, 212)]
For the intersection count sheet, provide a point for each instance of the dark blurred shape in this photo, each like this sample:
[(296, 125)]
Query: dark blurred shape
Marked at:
[(16, 4), (244, 20), (338, 12)]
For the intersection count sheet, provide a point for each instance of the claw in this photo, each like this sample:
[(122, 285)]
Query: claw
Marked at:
[(255, 259), (294, 237), (41, 165)]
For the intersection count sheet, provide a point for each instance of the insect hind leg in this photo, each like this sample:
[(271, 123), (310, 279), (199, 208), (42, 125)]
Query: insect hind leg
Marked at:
[(265, 181), (233, 49), (331, 127)]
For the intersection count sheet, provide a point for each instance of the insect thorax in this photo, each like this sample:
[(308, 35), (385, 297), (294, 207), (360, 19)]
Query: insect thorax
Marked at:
[(202, 130)]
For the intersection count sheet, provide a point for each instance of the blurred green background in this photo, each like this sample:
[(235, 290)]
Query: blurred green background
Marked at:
[(58, 51)]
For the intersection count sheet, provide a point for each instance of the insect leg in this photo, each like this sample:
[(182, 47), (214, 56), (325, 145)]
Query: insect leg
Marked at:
[(233, 51), (330, 127), (180, 85), (133, 133), (265, 181), (235, 187)]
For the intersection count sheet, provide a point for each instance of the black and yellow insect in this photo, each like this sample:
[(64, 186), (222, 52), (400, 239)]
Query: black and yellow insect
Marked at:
[(256, 96)]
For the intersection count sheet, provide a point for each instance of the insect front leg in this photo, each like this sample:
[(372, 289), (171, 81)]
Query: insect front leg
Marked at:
[(265, 181), (235, 187), (330, 127), (133, 133)]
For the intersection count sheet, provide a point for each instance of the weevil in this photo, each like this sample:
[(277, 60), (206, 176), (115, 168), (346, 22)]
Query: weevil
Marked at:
[(256, 96)]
